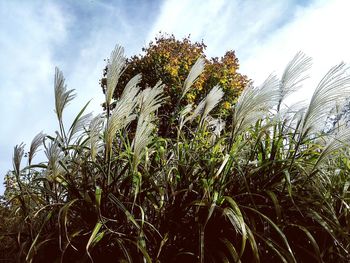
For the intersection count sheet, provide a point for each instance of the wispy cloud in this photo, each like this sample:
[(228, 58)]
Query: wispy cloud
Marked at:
[(225, 25), (36, 37), (265, 34), (29, 34), (319, 30)]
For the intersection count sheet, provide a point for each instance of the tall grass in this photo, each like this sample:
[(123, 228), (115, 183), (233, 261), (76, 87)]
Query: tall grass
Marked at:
[(267, 186)]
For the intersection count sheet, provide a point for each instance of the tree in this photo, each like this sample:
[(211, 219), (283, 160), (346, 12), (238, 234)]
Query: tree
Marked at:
[(170, 60)]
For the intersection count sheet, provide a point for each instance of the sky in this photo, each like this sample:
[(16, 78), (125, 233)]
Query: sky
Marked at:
[(77, 37)]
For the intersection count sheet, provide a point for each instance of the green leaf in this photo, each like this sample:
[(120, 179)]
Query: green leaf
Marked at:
[(278, 230), (94, 238), (276, 204), (238, 220), (123, 208), (312, 241), (98, 194), (288, 182), (232, 250), (33, 246), (78, 116), (253, 245)]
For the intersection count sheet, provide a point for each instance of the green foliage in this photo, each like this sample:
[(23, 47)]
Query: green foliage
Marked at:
[(270, 186)]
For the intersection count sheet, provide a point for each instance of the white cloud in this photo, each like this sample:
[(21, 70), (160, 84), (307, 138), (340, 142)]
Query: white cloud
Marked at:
[(222, 24), (39, 36), (28, 35), (319, 31), (265, 34)]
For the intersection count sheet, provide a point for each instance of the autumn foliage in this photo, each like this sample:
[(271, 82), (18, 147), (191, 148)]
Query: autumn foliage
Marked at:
[(170, 60)]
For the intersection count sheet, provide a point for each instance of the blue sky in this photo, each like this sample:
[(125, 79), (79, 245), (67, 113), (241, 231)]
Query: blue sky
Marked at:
[(77, 36)]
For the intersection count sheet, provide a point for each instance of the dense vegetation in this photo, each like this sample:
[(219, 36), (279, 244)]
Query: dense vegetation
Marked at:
[(270, 185), (169, 60)]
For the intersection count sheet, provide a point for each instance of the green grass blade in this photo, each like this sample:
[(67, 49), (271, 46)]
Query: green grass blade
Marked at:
[(278, 230), (94, 238)]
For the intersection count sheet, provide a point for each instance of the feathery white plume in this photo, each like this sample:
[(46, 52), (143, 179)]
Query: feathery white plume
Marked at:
[(339, 141), (62, 95), (150, 100), (123, 113), (294, 74), (254, 102), (143, 137), (195, 71), (207, 104), (95, 128), (212, 99), (115, 68), (80, 124), (332, 89), (18, 153), (197, 111), (54, 155), (36, 142), (183, 113)]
